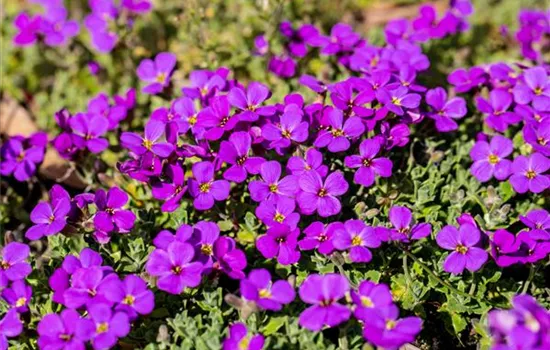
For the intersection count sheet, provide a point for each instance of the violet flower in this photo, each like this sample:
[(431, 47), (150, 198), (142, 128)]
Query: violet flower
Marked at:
[(132, 295), (290, 129), (235, 152), (55, 28), (398, 99), (163, 239), (10, 326), (104, 326), (368, 165), (499, 118), (528, 173), (203, 237), (18, 295), (320, 236), (156, 73), (174, 267), (229, 259), (28, 29), (281, 211), (170, 192), (281, 242), (204, 84), (110, 215), (84, 289), (239, 339), (60, 331), (268, 295), (100, 106), (313, 162), (370, 296), (462, 242), (445, 112), (536, 89), (320, 196), (356, 236), (204, 188), (383, 328), (20, 158), (88, 131), (337, 137), (538, 136), (538, 221), (403, 230), (149, 142), (272, 186), (217, 118), (324, 292), (282, 66), (466, 80), (48, 219), (249, 102), (489, 159)]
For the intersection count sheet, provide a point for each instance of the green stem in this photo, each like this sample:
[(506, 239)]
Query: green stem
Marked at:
[(529, 279), (436, 277), (408, 277)]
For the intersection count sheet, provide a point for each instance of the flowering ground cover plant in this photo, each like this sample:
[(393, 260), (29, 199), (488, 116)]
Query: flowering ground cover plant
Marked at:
[(306, 187)]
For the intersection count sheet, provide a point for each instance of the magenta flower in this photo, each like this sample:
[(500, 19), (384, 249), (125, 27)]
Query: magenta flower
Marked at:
[(165, 237), (283, 66), (203, 237), (462, 242), (358, 238), (239, 339), (272, 187), (320, 236), (403, 230), (104, 325), (489, 159), (10, 326), (150, 142), (28, 29), (249, 102), (229, 259), (235, 152), (47, 219), (343, 97), (528, 173), (313, 161), (536, 88), (383, 328), (538, 136), (338, 135), (203, 187), (368, 165), (18, 295), (20, 158), (88, 132), (170, 192), (466, 80), (110, 215), (132, 295), (174, 267), (499, 118), (370, 296), (281, 242), (444, 112), (538, 221), (85, 287), (268, 295), (398, 99), (204, 84), (280, 211), (99, 106), (55, 28), (395, 136), (156, 73), (324, 291), (217, 118), (290, 128), (318, 196), (60, 331), (505, 248)]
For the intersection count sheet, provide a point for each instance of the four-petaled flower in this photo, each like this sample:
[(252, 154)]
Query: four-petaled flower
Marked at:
[(204, 188), (157, 73), (320, 196), (462, 242), (369, 165), (489, 159)]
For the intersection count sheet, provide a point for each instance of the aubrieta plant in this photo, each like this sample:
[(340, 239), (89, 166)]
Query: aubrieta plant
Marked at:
[(342, 196)]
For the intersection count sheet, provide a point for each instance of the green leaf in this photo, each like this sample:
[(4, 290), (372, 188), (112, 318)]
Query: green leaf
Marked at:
[(274, 324), (459, 323)]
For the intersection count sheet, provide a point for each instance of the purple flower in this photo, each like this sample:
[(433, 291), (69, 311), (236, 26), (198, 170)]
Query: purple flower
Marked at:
[(48, 219), (170, 192), (272, 187), (358, 238), (28, 29), (401, 219), (149, 142), (174, 267), (445, 112), (538, 221), (504, 248), (239, 339), (497, 109), (320, 196), (165, 237), (383, 328), (396, 100), (110, 215), (466, 80), (235, 152), (290, 128), (368, 165), (489, 159), (85, 287), (18, 295), (312, 83), (216, 118), (536, 88), (312, 162), (60, 331), (131, 295), (281, 242), (324, 291), (204, 84), (298, 38), (204, 236), (395, 136), (10, 326), (257, 287), (203, 187), (104, 326), (320, 236), (538, 136), (369, 296), (55, 27), (20, 158), (280, 211), (527, 173), (100, 23), (261, 45), (157, 73), (337, 137), (462, 242), (88, 131), (342, 95), (99, 106), (249, 102), (282, 66), (229, 259)]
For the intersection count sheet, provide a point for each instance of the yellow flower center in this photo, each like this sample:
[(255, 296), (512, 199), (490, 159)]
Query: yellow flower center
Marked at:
[(205, 187), (176, 270), (21, 302), (461, 249), (65, 337), (337, 132), (279, 217), (531, 323), (366, 162), (5, 265), (241, 160), (243, 344), (206, 249), (161, 77), (356, 241), (21, 156), (264, 293), (102, 328), (286, 134), (147, 144), (366, 301), (493, 159), (531, 174), (396, 101), (192, 120), (273, 188), (322, 192), (541, 141), (538, 91), (129, 300), (390, 324)]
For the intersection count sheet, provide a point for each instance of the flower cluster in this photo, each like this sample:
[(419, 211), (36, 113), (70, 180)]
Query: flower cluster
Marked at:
[(20, 156), (533, 27), (99, 305)]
